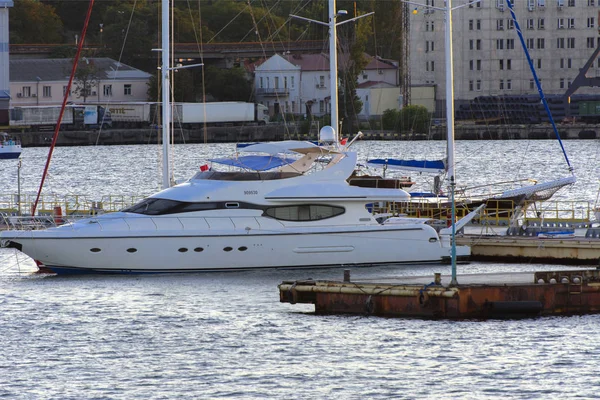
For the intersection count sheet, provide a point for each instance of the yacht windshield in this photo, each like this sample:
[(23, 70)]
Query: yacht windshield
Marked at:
[(155, 206)]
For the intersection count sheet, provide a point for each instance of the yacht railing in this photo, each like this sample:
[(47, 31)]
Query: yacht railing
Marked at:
[(70, 205)]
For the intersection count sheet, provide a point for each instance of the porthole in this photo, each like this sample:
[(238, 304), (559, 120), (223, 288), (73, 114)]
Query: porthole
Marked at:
[(183, 250), (131, 250), (198, 249), (232, 205), (95, 250), (228, 248), (243, 248)]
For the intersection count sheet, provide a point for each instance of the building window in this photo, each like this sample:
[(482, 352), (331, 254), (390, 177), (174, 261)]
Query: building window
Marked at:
[(539, 63), (470, 24), (285, 82), (508, 64), (322, 81), (478, 44), (590, 42), (47, 90), (127, 90), (591, 2), (541, 23), (562, 83), (531, 84), (276, 82), (510, 24), (107, 90), (568, 63), (471, 65), (478, 85), (562, 62), (292, 82), (293, 106), (499, 44), (571, 3), (591, 22), (321, 106), (478, 24), (432, 66), (65, 91), (530, 44), (510, 44), (560, 43), (508, 84), (471, 47), (530, 24), (470, 86), (501, 64), (501, 86), (571, 22), (500, 24), (261, 82), (561, 23), (26, 91), (570, 43), (541, 43)]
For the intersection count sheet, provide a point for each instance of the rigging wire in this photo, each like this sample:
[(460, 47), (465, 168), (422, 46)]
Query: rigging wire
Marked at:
[(64, 104)]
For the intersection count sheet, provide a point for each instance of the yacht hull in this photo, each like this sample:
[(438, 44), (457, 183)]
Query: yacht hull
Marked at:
[(62, 252)]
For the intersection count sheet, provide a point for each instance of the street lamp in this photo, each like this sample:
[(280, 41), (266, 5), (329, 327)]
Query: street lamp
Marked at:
[(101, 30)]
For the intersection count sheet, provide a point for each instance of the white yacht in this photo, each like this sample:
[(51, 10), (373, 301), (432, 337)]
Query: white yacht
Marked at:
[(289, 216), (278, 212)]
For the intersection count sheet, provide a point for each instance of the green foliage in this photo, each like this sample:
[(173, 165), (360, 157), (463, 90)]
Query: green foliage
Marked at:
[(33, 22), (390, 120), (409, 119), (228, 84)]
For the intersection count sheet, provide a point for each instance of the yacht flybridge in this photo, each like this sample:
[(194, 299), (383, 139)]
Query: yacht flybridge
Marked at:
[(281, 214)]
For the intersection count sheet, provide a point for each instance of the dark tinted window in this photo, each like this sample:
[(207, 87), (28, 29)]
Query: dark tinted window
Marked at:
[(308, 212)]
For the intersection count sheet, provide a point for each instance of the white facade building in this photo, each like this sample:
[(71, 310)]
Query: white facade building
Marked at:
[(489, 60), (300, 84), (41, 82)]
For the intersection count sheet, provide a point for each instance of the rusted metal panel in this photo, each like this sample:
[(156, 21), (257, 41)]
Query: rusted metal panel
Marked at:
[(553, 293)]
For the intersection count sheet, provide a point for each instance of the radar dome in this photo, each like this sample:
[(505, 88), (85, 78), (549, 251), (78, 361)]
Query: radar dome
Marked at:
[(327, 135)]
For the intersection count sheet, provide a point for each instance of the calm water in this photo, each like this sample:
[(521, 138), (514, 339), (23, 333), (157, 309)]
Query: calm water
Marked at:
[(227, 336)]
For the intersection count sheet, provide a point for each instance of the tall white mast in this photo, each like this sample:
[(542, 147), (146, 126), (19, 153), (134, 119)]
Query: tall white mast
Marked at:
[(449, 89), (333, 71), (166, 88)]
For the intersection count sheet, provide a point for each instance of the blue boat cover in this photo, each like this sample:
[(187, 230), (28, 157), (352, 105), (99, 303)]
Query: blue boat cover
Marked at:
[(436, 166), (256, 163)]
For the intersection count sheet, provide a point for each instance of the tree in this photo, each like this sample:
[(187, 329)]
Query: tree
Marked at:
[(228, 84), (354, 39), (85, 79), (33, 22)]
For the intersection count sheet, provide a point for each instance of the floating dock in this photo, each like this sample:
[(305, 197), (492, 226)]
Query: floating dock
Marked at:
[(481, 296)]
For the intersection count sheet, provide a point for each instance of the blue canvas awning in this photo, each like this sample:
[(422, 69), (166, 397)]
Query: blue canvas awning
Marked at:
[(432, 166), (255, 163)]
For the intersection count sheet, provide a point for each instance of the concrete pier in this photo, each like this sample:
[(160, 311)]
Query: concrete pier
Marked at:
[(480, 296), (576, 250)]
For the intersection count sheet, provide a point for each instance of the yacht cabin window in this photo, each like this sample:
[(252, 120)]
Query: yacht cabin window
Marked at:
[(304, 212)]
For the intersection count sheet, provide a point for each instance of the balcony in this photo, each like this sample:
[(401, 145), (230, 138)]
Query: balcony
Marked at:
[(273, 92)]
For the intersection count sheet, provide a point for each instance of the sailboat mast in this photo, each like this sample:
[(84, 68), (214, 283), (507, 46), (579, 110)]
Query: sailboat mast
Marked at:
[(333, 71), (450, 127), (449, 89), (166, 107)]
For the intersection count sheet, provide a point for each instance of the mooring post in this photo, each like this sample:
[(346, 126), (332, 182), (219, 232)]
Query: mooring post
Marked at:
[(346, 275)]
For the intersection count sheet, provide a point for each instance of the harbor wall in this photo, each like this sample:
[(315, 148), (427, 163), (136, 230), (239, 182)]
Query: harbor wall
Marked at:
[(276, 132)]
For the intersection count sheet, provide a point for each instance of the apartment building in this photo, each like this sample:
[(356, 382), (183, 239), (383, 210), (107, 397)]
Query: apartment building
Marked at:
[(560, 35)]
